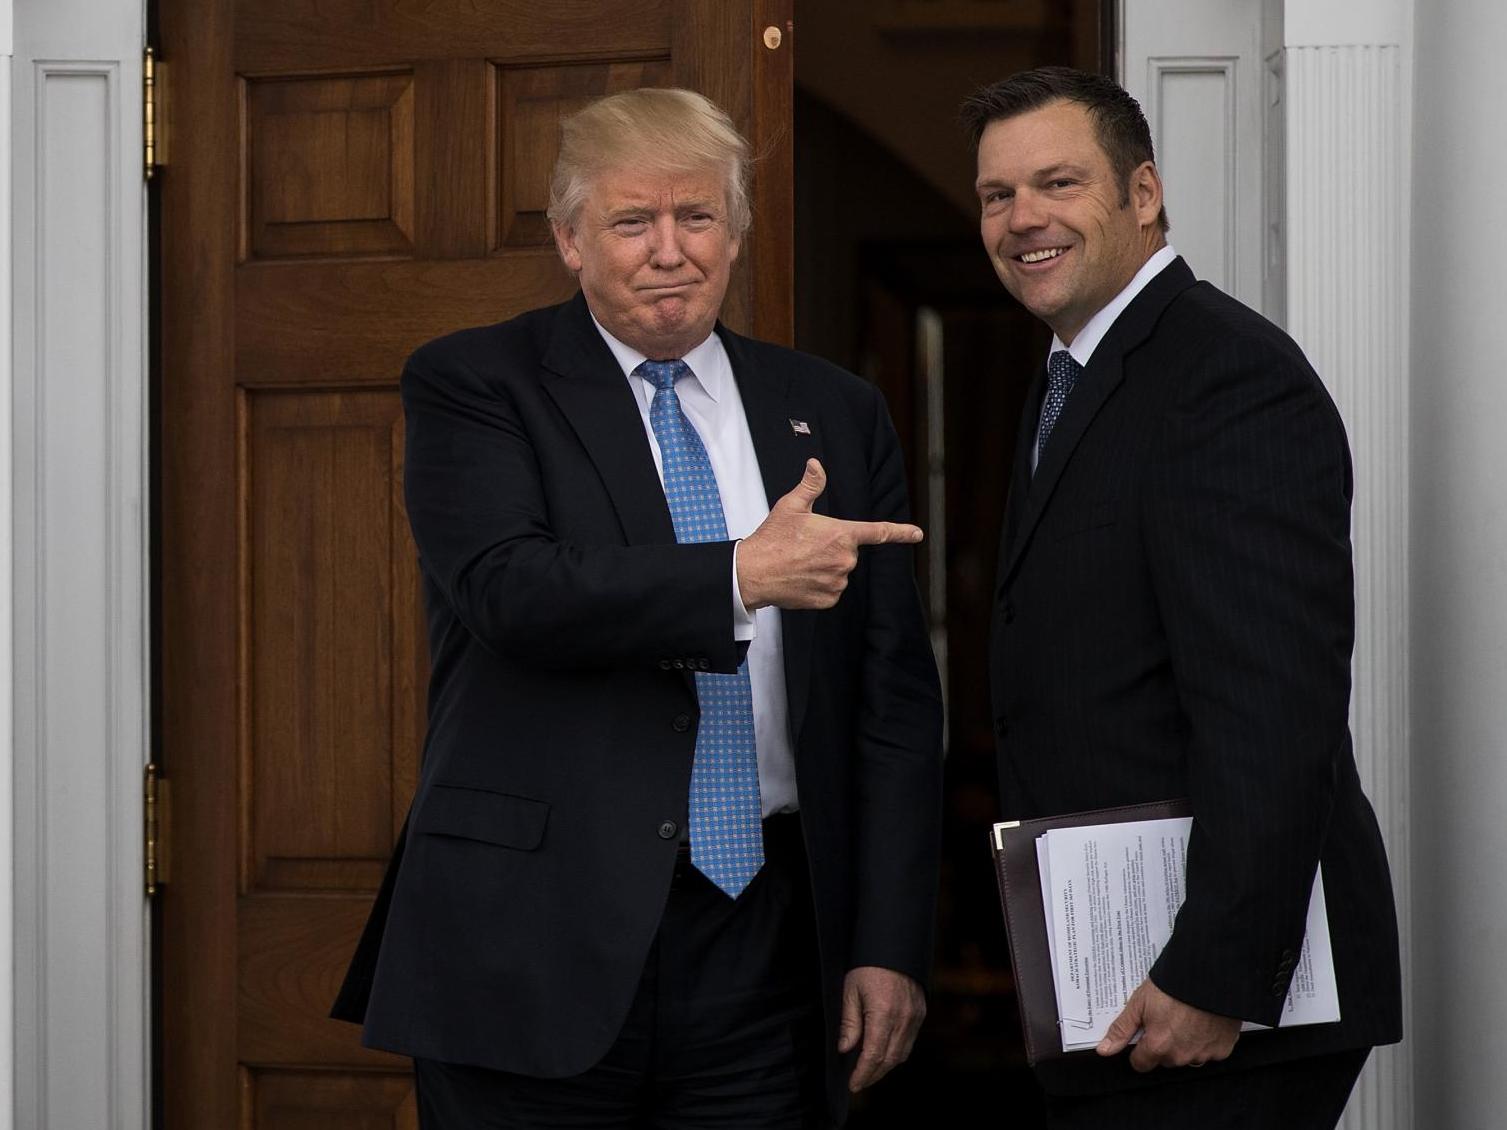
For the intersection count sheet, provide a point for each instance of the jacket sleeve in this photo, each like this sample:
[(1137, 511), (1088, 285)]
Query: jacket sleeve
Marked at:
[(476, 501), (898, 740), (1248, 538)]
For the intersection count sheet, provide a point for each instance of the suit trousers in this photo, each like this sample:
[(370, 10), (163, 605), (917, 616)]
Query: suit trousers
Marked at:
[(725, 1029), (1301, 1094)]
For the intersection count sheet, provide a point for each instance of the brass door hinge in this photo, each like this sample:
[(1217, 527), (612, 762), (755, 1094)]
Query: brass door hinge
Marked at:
[(157, 797), (151, 121)]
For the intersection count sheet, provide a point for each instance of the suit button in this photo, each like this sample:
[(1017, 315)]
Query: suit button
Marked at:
[(665, 664), (704, 664), (1001, 727), (681, 723), (679, 665), (668, 830), (1009, 613)]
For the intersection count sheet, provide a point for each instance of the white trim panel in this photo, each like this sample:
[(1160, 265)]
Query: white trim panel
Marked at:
[(1191, 108), (80, 571)]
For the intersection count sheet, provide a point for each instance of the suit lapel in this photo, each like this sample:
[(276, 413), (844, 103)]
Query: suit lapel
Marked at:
[(588, 386), (776, 414), (1104, 374)]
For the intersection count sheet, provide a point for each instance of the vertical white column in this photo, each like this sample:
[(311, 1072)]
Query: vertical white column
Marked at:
[(1459, 407), (7, 545), (1347, 101)]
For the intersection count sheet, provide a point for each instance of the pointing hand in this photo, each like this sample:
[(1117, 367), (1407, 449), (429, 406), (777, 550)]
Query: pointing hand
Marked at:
[(800, 559)]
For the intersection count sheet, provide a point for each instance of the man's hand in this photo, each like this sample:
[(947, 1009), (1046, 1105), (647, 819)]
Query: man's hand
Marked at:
[(883, 1010), (797, 559), (1175, 1034)]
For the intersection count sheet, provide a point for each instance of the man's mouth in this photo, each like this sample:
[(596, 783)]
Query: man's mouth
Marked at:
[(1040, 255)]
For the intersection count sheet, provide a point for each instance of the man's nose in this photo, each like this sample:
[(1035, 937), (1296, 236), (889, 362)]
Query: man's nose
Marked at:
[(665, 249), (1026, 212)]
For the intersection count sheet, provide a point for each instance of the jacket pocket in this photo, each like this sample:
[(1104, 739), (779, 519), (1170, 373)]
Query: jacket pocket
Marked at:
[(481, 814), (1094, 517)]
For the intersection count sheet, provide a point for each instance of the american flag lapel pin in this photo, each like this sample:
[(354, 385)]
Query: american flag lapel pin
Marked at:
[(800, 427)]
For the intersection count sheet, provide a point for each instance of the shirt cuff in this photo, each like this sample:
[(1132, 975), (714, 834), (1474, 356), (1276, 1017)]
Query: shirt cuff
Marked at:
[(744, 628)]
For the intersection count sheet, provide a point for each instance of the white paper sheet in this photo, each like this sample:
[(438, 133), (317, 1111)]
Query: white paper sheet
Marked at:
[(1111, 894)]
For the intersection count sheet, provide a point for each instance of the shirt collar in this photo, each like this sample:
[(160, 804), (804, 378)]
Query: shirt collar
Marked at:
[(699, 360), (1093, 332)]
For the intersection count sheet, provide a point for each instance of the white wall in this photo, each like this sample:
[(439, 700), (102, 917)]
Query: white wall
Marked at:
[(1459, 413)]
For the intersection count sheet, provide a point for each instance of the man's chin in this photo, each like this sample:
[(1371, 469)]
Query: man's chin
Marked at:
[(1043, 306), (677, 320)]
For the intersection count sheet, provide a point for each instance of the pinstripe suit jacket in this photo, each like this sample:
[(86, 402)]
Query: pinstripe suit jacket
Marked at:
[(564, 625), (1175, 617)]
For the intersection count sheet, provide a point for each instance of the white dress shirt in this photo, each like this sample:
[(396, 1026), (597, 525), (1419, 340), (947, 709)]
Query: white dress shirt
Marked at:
[(1095, 328), (710, 399)]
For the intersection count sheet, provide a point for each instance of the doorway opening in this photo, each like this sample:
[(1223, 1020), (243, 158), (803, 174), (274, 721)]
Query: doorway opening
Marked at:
[(892, 283)]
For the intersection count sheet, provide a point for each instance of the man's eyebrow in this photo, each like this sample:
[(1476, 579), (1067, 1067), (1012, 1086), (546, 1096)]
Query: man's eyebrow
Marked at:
[(1045, 173)]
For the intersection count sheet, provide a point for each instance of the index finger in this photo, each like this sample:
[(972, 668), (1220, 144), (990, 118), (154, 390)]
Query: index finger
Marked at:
[(884, 533)]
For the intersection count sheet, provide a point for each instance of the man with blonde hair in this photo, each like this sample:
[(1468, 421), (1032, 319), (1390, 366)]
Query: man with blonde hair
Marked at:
[(672, 861)]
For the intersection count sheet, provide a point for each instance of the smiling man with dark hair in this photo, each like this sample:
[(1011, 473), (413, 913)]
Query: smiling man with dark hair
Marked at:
[(1175, 617)]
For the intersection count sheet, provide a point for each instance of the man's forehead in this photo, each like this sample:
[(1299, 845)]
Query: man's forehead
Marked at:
[(614, 186), (1038, 142)]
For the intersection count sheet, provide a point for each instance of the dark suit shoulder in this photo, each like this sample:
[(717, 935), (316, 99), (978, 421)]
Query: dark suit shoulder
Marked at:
[(812, 373), (1203, 315), (1214, 344), (483, 348), (1206, 314)]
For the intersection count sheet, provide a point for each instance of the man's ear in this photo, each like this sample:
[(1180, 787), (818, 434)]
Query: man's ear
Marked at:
[(565, 243), (1146, 194)]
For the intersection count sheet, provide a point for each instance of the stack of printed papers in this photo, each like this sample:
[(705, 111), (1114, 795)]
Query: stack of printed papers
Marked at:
[(1111, 894)]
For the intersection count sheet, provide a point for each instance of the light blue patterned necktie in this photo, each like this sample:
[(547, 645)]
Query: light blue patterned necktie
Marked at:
[(1062, 375), (727, 838)]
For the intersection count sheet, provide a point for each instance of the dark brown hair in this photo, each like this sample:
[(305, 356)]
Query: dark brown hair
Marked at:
[(1118, 122)]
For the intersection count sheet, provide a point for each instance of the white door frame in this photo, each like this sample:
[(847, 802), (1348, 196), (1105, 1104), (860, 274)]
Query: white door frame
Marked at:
[(74, 522), (7, 857)]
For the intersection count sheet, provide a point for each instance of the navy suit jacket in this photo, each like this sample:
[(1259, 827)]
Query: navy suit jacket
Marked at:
[(1175, 618), (564, 627)]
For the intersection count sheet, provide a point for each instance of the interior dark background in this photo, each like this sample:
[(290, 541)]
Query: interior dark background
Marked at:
[(892, 283)]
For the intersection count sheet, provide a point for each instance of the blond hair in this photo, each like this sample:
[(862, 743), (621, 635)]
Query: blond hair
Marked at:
[(655, 129)]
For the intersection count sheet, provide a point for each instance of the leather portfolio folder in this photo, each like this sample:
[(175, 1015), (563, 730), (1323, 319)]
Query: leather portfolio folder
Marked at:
[(1025, 917)]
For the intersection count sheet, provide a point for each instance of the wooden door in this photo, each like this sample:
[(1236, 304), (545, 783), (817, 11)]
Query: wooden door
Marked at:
[(347, 179)]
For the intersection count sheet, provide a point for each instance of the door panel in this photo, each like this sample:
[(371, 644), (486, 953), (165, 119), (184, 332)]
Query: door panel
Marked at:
[(348, 180)]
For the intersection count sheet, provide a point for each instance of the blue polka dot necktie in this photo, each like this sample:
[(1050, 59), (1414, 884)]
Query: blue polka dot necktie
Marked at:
[(1062, 374), (727, 838)]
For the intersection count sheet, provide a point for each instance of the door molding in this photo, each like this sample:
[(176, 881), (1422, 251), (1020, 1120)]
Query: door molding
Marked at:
[(78, 547)]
